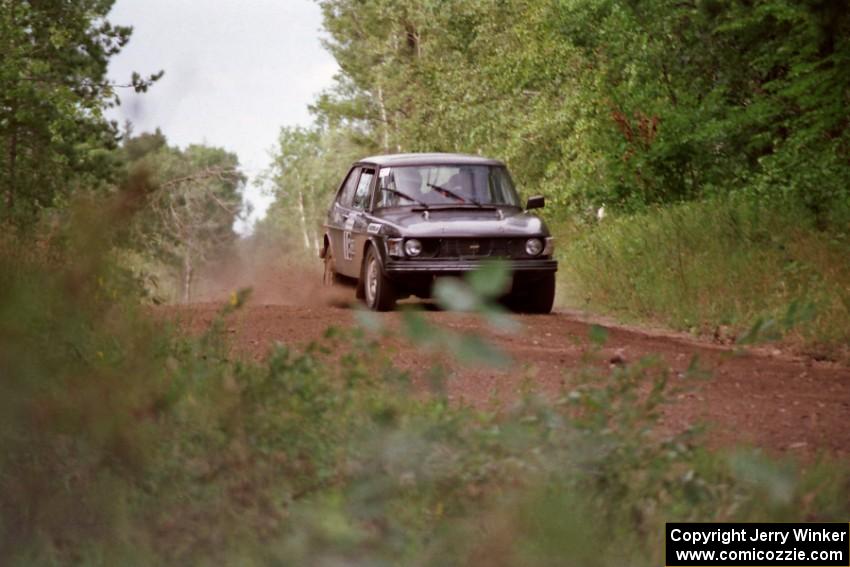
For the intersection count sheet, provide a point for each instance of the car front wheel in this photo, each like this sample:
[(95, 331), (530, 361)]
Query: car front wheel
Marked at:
[(377, 288)]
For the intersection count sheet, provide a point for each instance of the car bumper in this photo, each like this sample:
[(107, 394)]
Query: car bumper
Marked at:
[(393, 267)]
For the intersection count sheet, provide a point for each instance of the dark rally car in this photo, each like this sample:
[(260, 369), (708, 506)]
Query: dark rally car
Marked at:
[(399, 221)]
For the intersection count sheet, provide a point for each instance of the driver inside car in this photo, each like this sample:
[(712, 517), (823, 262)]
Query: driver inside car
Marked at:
[(405, 180)]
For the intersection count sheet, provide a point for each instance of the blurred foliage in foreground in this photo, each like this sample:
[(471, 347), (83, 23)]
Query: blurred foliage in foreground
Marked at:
[(122, 442)]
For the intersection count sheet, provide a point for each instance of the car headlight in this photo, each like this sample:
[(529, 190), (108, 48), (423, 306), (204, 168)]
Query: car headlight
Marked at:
[(413, 247), (533, 246)]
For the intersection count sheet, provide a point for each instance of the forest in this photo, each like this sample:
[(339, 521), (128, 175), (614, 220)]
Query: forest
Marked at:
[(695, 158), (717, 130)]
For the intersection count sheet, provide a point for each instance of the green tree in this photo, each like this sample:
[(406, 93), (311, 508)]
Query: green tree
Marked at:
[(190, 215), (308, 166), (615, 101), (53, 91)]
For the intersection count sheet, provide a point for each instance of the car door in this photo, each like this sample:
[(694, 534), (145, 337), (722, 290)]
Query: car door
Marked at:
[(338, 219), (355, 230)]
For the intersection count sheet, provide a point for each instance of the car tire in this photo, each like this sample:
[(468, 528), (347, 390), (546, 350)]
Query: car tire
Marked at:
[(378, 291), (539, 299), (330, 277)]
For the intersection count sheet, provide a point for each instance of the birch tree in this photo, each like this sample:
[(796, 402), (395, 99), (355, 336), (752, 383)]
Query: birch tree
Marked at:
[(307, 167), (190, 216), (191, 210)]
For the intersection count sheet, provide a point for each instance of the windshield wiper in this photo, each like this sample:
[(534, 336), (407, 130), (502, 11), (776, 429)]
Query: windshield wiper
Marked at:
[(405, 196), (454, 195)]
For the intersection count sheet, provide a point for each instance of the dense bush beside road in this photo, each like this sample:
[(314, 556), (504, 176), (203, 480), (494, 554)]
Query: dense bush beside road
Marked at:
[(719, 268)]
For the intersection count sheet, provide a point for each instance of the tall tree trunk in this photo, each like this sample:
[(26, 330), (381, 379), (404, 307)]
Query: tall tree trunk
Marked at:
[(188, 270), (384, 119), (395, 132), (303, 214), (11, 187)]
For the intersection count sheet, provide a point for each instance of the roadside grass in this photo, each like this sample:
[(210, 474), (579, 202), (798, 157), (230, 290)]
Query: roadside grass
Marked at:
[(124, 442), (716, 267)]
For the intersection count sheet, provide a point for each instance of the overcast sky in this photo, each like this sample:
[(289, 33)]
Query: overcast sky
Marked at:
[(235, 72)]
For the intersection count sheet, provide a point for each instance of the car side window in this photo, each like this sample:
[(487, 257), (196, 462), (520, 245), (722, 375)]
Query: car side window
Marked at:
[(361, 195), (346, 195)]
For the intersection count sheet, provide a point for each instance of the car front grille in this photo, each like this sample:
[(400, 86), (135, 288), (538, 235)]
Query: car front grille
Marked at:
[(479, 248)]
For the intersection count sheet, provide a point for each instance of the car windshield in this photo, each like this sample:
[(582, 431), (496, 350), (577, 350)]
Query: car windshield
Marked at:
[(437, 185)]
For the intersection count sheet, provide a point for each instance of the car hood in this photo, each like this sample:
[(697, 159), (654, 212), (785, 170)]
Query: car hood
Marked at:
[(462, 222)]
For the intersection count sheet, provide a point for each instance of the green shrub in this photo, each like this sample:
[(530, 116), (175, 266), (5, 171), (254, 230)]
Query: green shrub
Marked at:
[(701, 265)]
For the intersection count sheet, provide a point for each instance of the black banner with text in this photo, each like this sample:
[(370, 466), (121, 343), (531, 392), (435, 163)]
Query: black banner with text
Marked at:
[(758, 545)]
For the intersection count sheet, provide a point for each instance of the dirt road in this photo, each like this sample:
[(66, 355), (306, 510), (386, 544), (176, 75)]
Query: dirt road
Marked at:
[(765, 399)]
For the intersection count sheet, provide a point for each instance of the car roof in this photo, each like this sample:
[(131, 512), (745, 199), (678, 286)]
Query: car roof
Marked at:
[(428, 159)]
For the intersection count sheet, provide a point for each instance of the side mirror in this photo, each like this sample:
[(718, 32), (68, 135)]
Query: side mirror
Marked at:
[(536, 202)]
